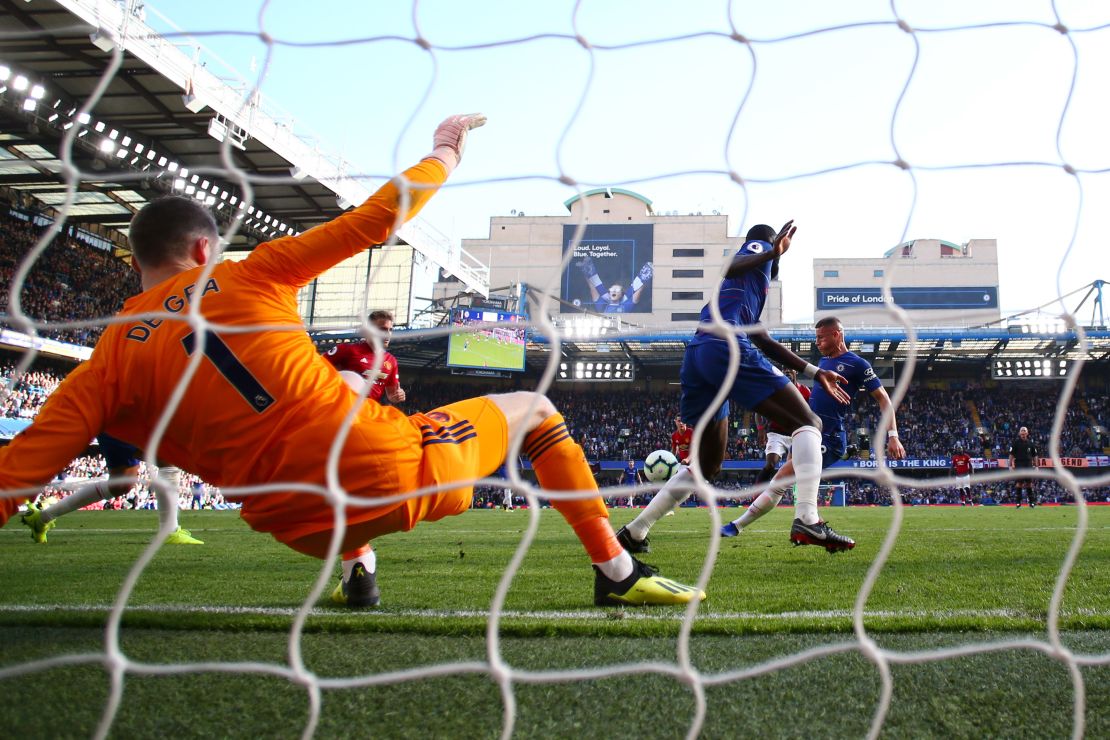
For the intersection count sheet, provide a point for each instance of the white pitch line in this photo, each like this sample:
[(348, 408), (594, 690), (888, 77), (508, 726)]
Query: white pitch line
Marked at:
[(599, 614)]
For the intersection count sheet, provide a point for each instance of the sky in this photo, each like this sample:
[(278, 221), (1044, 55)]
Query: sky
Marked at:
[(984, 102)]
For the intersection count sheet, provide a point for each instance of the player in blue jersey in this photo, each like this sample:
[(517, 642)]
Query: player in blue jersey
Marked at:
[(616, 299), (833, 411), (759, 386)]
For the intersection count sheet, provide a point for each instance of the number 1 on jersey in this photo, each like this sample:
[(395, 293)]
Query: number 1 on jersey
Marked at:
[(232, 369)]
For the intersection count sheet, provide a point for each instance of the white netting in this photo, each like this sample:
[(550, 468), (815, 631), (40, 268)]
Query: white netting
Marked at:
[(737, 58)]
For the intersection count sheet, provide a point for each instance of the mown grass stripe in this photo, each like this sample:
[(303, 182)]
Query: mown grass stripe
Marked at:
[(642, 614)]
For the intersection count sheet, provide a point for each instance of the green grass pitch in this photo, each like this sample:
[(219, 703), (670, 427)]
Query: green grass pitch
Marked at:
[(956, 577), (479, 350)]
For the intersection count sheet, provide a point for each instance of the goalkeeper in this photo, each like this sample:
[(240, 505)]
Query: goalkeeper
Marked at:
[(616, 299), (259, 404)]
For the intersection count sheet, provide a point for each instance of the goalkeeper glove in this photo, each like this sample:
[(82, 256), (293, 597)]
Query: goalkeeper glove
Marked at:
[(586, 265), (646, 273), (449, 140)]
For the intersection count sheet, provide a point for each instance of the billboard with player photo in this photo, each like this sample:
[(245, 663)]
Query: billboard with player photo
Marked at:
[(611, 269)]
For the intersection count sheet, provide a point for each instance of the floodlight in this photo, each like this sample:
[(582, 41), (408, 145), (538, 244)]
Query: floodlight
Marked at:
[(37, 92), (192, 102), (20, 83), (29, 104), (101, 40)]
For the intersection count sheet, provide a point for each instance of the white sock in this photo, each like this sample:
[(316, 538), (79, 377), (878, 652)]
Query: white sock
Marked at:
[(806, 453), (764, 502), (368, 560), (669, 498), (79, 499), (168, 499), (618, 568)]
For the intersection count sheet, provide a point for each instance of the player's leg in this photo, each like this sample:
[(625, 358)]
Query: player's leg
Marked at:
[(710, 453), (773, 455), (167, 492), (820, 533), (769, 498), (122, 470), (561, 465), (701, 375), (788, 408)]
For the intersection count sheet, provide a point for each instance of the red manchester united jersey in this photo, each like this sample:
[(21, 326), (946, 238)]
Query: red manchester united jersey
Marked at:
[(680, 443), (358, 357), (776, 428), (961, 463)]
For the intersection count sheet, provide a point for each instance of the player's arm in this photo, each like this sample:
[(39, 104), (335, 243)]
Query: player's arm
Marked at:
[(296, 260), (783, 355), (593, 280), (393, 389), (894, 448), (339, 356), (647, 272), (73, 414), (743, 263)]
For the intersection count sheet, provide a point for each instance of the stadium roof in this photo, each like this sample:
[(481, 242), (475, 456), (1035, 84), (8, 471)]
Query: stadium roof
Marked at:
[(167, 109), (609, 192), (54, 50)]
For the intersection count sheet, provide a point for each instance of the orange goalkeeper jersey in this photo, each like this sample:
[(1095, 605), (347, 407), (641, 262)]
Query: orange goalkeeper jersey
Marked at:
[(262, 406)]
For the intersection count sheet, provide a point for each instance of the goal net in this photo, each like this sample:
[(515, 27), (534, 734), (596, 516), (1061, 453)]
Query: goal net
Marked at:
[(879, 118)]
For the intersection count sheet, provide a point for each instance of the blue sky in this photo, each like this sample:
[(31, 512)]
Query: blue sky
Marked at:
[(813, 140)]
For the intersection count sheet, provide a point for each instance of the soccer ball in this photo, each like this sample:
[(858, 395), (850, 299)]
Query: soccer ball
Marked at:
[(660, 466)]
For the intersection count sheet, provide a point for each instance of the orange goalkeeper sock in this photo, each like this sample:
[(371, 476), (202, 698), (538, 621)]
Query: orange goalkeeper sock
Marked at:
[(561, 465)]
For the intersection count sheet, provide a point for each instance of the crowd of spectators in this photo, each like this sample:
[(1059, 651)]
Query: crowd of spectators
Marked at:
[(627, 424), (26, 396), (70, 281), (192, 493)]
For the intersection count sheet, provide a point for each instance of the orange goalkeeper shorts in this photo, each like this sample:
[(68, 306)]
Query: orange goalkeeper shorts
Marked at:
[(458, 442)]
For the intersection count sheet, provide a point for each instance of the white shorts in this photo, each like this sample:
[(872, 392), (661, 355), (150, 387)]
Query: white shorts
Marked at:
[(963, 481), (778, 444)]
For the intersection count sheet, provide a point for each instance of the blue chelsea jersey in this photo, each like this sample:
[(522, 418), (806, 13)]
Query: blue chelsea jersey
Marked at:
[(742, 298), (858, 372)]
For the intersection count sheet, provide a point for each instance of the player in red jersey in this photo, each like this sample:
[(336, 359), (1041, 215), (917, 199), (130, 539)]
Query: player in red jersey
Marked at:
[(961, 468), (356, 363), (681, 438), (776, 440)]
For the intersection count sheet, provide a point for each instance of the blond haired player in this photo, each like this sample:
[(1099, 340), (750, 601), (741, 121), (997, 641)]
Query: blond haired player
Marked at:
[(264, 408)]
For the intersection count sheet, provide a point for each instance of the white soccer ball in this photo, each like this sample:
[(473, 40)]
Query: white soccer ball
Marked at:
[(659, 466)]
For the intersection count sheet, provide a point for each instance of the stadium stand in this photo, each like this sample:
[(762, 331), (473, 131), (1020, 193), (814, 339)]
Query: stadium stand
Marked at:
[(72, 280)]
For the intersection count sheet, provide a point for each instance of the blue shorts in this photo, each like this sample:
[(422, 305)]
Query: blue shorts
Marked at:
[(833, 446), (704, 367), (118, 454)]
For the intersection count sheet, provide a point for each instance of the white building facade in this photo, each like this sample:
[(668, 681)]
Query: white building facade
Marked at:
[(939, 283), (648, 269)]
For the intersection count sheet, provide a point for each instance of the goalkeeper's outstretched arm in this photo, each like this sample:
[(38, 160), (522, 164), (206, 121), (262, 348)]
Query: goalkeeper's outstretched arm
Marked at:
[(295, 261)]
